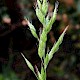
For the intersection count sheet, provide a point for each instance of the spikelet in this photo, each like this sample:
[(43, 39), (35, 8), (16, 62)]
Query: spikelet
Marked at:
[(40, 15), (28, 63), (45, 7), (42, 44), (39, 4), (32, 29), (57, 44), (53, 18)]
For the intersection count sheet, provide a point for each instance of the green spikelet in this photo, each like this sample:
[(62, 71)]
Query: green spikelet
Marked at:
[(32, 29), (46, 61), (57, 44), (47, 19), (43, 36), (28, 63), (42, 44), (53, 18), (41, 49), (45, 7), (39, 4), (40, 15)]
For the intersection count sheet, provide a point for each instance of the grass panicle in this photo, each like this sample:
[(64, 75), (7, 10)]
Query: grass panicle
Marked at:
[(43, 16)]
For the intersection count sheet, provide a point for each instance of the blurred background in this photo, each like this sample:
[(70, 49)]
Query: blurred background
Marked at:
[(15, 37)]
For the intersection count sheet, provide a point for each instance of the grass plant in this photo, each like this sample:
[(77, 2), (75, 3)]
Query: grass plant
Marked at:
[(47, 22)]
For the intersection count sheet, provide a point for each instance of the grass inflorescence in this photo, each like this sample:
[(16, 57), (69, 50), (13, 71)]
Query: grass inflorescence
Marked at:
[(43, 16)]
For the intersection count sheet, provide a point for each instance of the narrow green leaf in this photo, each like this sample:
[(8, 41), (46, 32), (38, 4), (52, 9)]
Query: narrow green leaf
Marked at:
[(28, 63)]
